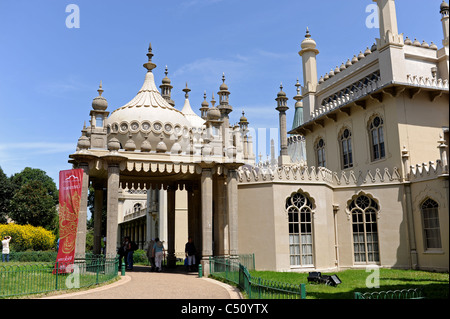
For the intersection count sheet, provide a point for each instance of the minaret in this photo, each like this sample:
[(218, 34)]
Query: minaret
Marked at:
[(225, 109), (98, 117), (166, 89), (445, 23), (443, 53), (298, 115), (204, 108), (282, 108), (390, 44), (309, 63)]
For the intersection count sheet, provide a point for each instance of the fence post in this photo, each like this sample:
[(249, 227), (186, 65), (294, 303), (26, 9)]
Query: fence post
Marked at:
[(57, 272), (200, 271), (123, 268), (302, 291)]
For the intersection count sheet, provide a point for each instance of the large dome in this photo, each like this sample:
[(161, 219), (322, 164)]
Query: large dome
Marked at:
[(148, 122)]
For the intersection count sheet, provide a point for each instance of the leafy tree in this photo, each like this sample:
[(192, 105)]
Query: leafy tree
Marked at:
[(6, 193), (32, 204), (34, 174)]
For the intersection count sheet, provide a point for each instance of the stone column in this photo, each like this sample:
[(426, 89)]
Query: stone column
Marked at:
[(80, 242), (171, 258), (112, 209), (98, 208), (232, 208), (207, 215)]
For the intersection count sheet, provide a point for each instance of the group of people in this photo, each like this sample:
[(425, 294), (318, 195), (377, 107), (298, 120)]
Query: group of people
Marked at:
[(155, 254), (126, 252)]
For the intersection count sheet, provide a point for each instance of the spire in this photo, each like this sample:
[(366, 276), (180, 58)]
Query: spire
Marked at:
[(186, 91), (298, 115), (224, 94), (204, 108), (99, 103), (444, 10), (149, 65), (243, 122), (166, 88)]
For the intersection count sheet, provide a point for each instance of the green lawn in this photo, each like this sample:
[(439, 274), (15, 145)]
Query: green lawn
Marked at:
[(435, 285)]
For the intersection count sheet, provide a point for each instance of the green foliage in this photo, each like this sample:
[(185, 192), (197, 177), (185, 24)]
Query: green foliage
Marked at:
[(34, 174), (32, 204), (27, 237), (33, 256), (6, 193)]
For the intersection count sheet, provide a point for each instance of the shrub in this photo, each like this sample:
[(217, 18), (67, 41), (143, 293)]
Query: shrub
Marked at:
[(27, 237)]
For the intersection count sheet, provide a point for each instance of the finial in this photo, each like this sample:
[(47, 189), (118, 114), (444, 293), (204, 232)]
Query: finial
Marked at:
[(308, 35), (100, 89), (298, 87), (223, 77), (281, 86), (166, 71), (213, 101), (149, 65), (186, 90), (243, 113)]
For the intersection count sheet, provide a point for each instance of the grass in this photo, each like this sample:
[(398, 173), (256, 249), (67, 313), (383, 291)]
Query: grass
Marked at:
[(435, 285)]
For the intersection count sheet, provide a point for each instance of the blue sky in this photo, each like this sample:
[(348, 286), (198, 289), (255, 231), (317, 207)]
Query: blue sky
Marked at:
[(49, 73)]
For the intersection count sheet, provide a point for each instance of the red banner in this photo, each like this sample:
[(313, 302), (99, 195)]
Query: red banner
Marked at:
[(70, 184)]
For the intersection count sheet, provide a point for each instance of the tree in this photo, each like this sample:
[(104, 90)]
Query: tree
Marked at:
[(32, 204), (34, 174), (6, 193)]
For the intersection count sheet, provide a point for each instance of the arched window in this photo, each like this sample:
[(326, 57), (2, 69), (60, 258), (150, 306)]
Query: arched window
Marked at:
[(137, 207), (346, 148), (320, 153), (377, 138), (364, 210), (299, 209), (431, 228)]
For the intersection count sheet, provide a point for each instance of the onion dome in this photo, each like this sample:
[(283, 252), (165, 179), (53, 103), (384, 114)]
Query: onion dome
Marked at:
[(148, 116), (281, 100), (367, 52), (99, 103), (444, 7), (348, 63), (416, 43), (213, 112), (195, 120), (308, 43), (408, 41)]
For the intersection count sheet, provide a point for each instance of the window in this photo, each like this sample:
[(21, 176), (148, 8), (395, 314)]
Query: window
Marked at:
[(299, 209), (346, 148), (320, 153), (377, 138), (431, 229), (364, 210), (137, 207)]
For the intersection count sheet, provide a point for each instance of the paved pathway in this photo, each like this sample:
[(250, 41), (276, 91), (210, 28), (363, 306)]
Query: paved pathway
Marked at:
[(143, 284)]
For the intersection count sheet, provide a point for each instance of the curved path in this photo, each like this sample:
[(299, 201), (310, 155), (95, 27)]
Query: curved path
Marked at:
[(143, 284)]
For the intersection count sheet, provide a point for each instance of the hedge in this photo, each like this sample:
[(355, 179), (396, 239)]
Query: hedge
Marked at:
[(27, 237)]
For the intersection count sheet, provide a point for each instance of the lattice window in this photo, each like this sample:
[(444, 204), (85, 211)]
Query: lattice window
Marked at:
[(320, 153), (299, 208), (346, 148), (365, 229), (377, 138), (431, 228)]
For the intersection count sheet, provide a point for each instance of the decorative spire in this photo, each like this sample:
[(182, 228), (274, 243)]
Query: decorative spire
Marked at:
[(150, 65), (204, 108), (166, 88), (186, 90), (100, 89), (308, 35), (99, 103)]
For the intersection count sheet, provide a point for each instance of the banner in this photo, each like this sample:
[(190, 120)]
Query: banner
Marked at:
[(70, 186)]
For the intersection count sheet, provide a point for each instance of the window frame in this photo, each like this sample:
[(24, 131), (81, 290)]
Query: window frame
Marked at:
[(348, 151), (320, 153), (377, 148), (426, 228)]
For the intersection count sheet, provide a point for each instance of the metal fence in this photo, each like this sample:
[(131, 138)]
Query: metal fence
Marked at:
[(232, 270), (35, 278), (412, 293)]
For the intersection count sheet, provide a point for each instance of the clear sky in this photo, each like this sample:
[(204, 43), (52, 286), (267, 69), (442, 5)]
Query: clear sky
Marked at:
[(49, 73)]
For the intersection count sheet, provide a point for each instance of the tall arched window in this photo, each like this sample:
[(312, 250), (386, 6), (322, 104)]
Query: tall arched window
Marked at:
[(431, 228), (377, 138), (299, 208), (345, 140), (364, 210), (320, 153)]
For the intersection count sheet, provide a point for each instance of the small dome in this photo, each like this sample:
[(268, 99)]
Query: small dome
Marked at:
[(213, 113), (99, 103), (444, 6), (243, 119), (308, 42)]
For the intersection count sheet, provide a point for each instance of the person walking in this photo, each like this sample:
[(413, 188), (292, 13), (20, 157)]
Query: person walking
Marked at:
[(158, 253), (190, 254), (5, 248), (150, 256)]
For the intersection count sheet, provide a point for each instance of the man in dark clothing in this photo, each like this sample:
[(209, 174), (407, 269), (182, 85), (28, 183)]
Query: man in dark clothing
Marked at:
[(190, 254)]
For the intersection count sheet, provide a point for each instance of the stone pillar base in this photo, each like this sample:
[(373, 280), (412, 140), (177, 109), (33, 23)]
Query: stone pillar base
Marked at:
[(205, 267)]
